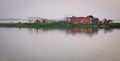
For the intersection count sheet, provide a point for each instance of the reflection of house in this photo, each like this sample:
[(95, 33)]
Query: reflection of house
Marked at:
[(94, 31), (75, 31), (86, 31)]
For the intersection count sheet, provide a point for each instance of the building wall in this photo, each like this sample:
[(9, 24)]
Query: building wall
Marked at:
[(95, 20), (76, 20), (86, 20)]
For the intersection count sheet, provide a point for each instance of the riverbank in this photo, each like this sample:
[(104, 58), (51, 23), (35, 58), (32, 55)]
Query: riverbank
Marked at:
[(60, 25)]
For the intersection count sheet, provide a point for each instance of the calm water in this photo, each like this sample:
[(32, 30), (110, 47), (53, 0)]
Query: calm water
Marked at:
[(29, 44)]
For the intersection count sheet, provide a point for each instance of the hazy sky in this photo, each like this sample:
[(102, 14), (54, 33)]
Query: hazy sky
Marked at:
[(59, 8)]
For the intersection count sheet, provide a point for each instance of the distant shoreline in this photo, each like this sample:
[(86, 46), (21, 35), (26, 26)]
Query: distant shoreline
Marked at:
[(60, 25)]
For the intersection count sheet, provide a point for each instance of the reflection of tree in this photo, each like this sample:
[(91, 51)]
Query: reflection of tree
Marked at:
[(94, 31), (31, 30), (106, 30), (73, 31), (41, 30), (37, 30), (45, 29)]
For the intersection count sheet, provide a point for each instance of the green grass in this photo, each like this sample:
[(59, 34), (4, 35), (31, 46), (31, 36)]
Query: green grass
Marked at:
[(58, 25)]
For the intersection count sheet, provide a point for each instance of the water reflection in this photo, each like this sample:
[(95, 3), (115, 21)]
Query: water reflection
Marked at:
[(36, 44), (73, 31), (108, 30), (87, 31)]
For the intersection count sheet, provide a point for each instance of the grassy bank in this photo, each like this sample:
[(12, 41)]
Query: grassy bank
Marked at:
[(59, 25)]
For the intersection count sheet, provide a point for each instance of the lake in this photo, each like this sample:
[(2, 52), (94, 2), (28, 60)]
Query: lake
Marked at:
[(31, 44)]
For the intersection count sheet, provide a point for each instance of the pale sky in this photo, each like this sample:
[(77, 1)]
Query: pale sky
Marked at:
[(54, 9)]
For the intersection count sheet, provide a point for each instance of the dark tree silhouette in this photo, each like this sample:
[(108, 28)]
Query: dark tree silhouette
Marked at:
[(90, 16)]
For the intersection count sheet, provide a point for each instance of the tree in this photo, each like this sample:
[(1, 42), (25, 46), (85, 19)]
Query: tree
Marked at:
[(90, 16)]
